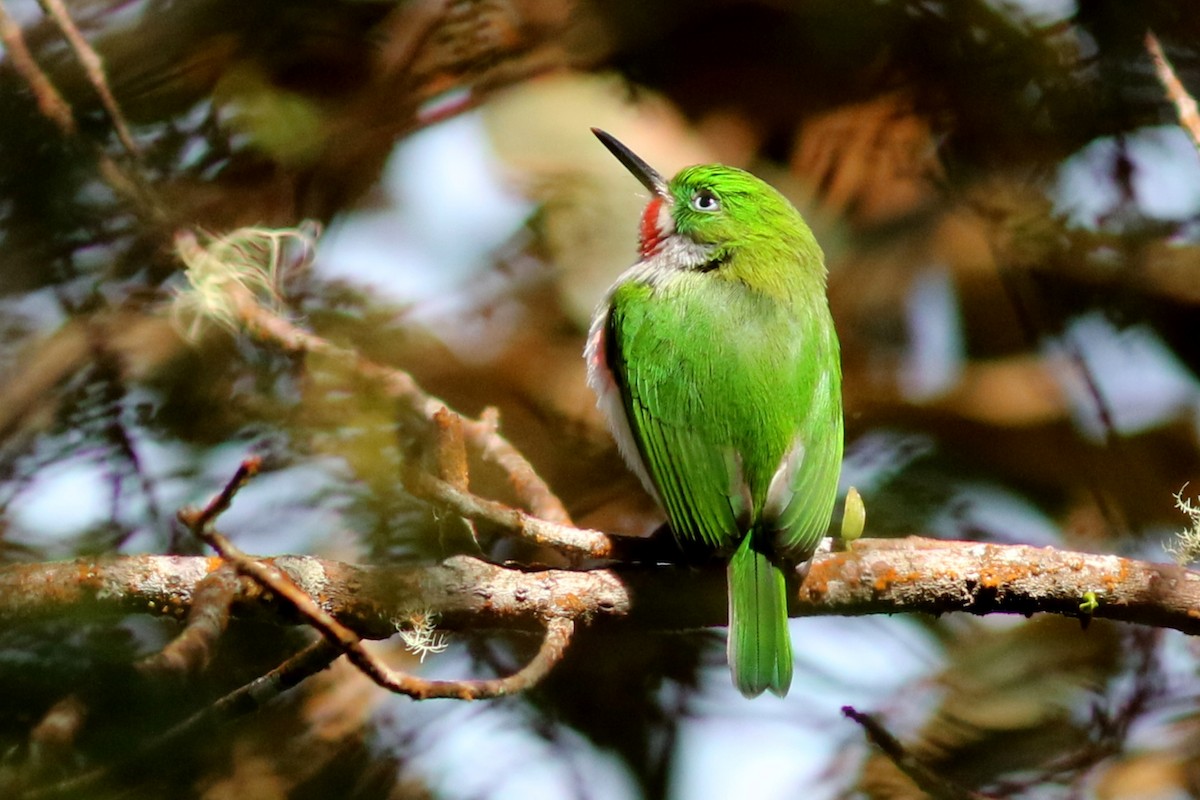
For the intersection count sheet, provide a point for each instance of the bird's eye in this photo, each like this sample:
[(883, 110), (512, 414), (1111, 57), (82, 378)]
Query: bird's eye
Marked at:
[(706, 201)]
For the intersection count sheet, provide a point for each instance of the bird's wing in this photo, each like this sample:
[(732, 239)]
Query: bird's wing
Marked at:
[(803, 490), (698, 479)]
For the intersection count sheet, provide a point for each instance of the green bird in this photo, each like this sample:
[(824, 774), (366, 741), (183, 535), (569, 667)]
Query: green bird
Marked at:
[(716, 363)]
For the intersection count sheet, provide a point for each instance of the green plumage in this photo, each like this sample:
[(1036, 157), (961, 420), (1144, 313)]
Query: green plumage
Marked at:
[(720, 358), (760, 650)]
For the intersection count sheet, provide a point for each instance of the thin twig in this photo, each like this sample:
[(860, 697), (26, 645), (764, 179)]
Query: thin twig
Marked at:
[(1185, 104), (127, 185), (241, 701), (569, 539), (52, 741), (926, 779), (557, 636), (1034, 322), (50, 102), (451, 451), (558, 629), (534, 492), (198, 520), (193, 648), (528, 485), (230, 267), (450, 457), (1108, 731), (93, 67)]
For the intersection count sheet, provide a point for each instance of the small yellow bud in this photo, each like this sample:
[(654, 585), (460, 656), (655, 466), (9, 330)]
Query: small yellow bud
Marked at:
[(854, 516)]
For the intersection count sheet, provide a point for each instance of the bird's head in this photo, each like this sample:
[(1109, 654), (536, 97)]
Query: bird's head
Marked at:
[(708, 212)]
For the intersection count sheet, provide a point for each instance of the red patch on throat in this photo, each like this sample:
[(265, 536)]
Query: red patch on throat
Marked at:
[(649, 234)]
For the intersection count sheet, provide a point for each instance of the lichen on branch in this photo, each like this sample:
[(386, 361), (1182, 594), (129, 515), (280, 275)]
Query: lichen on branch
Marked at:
[(873, 577)]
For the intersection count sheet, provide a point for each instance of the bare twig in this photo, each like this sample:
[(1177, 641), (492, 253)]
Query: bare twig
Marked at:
[(926, 779), (52, 740), (243, 700), (450, 462), (482, 435), (558, 628), (50, 102), (557, 636), (225, 272), (127, 185), (199, 520), (193, 648), (93, 67), (576, 541), (528, 485), (1108, 730), (1185, 104), (451, 452)]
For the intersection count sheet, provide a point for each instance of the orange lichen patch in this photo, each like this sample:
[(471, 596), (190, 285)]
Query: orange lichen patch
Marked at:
[(86, 575), (816, 583), (842, 569), (993, 576), (572, 604), (1194, 613), (213, 563), (1111, 581), (813, 593), (815, 586), (885, 579)]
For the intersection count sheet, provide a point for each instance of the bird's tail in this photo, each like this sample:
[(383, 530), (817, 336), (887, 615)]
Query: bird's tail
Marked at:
[(760, 649)]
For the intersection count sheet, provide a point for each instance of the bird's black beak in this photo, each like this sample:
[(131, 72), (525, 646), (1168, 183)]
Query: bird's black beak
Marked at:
[(645, 173)]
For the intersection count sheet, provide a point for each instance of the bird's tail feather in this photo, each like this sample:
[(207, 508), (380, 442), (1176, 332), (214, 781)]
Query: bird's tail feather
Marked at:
[(760, 649)]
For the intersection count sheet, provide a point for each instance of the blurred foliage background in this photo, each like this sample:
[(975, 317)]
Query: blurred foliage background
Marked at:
[(1009, 210)]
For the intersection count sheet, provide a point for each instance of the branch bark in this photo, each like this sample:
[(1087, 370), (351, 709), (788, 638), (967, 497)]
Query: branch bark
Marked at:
[(873, 577)]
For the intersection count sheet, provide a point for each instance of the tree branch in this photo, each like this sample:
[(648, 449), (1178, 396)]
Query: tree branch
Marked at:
[(558, 627), (915, 574), (873, 577), (482, 434)]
